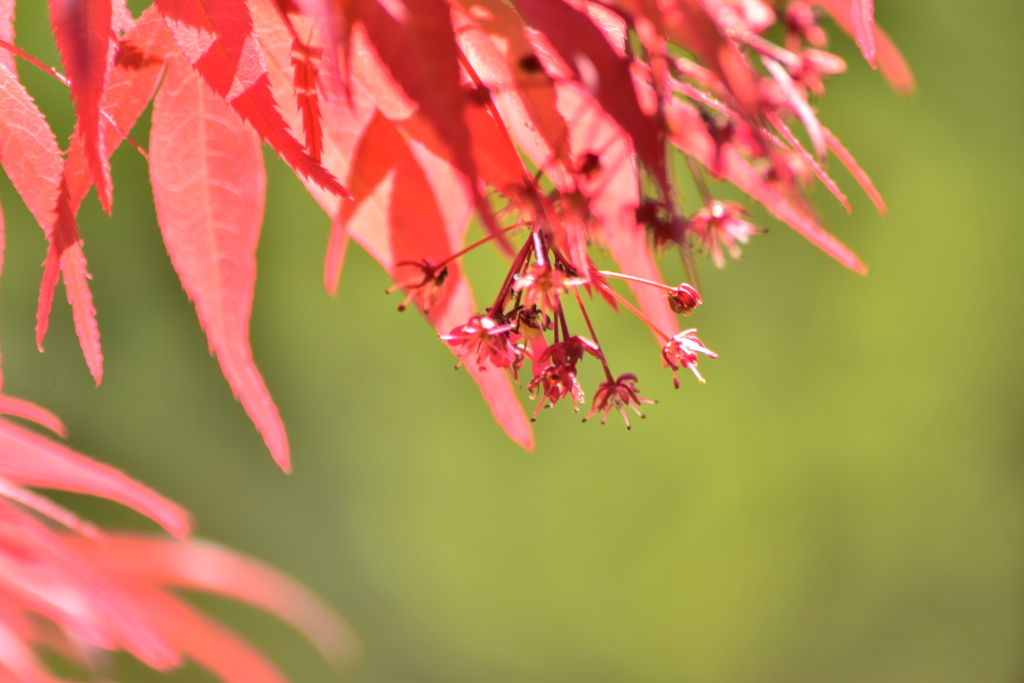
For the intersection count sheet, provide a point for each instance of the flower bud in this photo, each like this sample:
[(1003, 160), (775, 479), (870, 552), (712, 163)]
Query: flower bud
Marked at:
[(683, 299)]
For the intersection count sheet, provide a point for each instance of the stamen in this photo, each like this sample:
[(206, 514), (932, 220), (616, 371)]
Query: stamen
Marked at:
[(482, 241), (633, 278), (518, 263)]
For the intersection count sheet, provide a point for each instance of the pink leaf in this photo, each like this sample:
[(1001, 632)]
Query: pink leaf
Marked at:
[(416, 42), (208, 185), (303, 36), (862, 14), (7, 33), (48, 508), (19, 407), (204, 566), (46, 577), (396, 217), (76, 284), (795, 143), (337, 244), (203, 640), (890, 61), (344, 121), (693, 28), (3, 239), (306, 59), (65, 255), (892, 64), (131, 84), (521, 89), (29, 154), (602, 72), (29, 459), (20, 659), (342, 126), (496, 159), (28, 151), (797, 101), (217, 38), (82, 30), (855, 170)]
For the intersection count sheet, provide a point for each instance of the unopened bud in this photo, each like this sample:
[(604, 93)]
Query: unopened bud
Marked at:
[(683, 299)]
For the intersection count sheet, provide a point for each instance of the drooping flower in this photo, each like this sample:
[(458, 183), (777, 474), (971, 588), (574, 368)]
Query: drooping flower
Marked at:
[(554, 383), (481, 336), (543, 286), (619, 394), (681, 351), (422, 281), (683, 299), (721, 225), (566, 117), (556, 378)]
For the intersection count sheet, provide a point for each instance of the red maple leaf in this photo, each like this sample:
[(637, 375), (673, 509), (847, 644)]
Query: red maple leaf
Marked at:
[(554, 122)]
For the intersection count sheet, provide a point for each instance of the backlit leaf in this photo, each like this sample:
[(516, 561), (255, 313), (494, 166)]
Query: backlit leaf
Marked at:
[(217, 38), (396, 217), (83, 30), (7, 33), (416, 41), (32, 160), (890, 61), (29, 459), (603, 73), (208, 185), (131, 83)]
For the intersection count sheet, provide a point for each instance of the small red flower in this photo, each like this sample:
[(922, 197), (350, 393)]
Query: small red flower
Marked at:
[(662, 226), (720, 224), (543, 286), (485, 338), (532, 322), (570, 352), (683, 299), (556, 382), (618, 394), (421, 280), (558, 378), (681, 351)]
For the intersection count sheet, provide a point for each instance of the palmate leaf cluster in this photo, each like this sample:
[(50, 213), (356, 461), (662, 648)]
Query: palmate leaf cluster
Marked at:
[(558, 124)]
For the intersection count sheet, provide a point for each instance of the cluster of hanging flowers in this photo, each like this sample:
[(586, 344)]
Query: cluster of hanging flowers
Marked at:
[(405, 118), (560, 124), (529, 307), (563, 84)]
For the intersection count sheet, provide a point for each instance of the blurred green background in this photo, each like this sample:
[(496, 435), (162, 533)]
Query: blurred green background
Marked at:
[(844, 499)]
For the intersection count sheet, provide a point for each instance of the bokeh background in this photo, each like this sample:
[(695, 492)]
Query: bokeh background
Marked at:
[(843, 500)]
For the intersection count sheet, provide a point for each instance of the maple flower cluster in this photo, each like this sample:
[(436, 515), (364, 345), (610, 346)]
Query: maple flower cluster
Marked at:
[(405, 118), (529, 307), (568, 121)]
